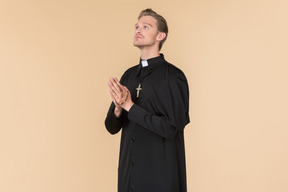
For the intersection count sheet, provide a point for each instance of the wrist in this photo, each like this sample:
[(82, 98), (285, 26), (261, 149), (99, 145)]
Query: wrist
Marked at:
[(117, 111), (128, 106)]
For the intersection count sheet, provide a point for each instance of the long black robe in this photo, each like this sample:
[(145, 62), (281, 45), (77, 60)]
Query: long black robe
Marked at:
[(152, 154)]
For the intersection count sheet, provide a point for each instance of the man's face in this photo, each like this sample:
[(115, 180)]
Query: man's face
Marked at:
[(146, 32)]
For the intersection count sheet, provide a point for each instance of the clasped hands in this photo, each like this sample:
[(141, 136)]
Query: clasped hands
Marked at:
[(121, 96)]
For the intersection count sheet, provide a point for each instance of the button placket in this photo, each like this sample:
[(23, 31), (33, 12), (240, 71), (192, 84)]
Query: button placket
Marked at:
[(132, 164)]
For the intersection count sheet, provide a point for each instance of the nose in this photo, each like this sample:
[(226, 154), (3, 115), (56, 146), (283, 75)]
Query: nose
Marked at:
[(137, 30)]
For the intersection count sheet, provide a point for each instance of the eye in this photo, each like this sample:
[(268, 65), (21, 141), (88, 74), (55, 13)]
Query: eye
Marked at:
[(136, 27), (146, 27)]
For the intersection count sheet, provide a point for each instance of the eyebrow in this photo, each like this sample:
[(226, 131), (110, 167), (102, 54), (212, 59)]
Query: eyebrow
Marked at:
[(144, 24)]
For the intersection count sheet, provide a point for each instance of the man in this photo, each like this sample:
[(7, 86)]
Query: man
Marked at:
[(150, 105)]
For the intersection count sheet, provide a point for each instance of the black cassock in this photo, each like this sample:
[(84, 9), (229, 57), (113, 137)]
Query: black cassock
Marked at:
[(152, 153)]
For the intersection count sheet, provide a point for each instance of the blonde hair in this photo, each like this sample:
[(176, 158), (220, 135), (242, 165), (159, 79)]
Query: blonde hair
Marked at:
[(161, 23)]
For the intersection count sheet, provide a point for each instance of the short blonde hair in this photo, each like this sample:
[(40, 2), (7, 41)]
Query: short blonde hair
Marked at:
[(161, 23)]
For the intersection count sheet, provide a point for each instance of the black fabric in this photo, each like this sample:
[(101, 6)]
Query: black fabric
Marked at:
[(152, 154)]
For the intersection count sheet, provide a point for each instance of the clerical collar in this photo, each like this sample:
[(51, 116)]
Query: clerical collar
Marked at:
[(144, 63), (151, 64), (152, 61)]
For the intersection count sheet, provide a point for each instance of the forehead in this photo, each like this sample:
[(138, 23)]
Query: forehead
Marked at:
[(148, 20)]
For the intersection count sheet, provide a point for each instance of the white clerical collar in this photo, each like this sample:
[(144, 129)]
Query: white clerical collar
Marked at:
[(144, 63)]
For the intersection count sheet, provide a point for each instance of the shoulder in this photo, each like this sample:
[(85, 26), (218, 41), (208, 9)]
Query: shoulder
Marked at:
[(129, 71), (177, 79), (174, 72)]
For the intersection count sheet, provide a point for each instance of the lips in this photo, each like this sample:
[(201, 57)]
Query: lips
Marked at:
[(138, 37)]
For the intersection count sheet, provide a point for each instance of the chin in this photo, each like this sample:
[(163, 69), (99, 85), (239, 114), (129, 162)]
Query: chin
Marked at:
[(137, 45)]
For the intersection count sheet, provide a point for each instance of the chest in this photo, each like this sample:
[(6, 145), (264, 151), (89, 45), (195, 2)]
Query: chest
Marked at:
[(150, 90)]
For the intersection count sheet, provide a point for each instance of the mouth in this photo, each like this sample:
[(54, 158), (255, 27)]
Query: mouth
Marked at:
[(138, 37)]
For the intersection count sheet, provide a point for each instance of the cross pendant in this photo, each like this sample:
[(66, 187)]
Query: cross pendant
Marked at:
[(138, 89)]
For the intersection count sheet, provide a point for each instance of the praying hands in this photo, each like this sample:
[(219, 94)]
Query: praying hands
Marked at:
[(121, 96)]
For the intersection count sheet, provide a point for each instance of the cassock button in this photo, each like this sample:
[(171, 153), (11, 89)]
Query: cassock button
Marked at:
[(132, 188), (132, 140), (131, 164)]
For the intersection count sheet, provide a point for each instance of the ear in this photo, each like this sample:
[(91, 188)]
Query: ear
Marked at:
[(160, 36)]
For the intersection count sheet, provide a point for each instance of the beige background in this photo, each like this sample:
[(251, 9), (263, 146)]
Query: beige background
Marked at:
[(55, 61)]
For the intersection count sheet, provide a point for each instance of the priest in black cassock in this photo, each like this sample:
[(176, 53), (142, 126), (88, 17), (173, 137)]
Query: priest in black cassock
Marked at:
[(151, 106)]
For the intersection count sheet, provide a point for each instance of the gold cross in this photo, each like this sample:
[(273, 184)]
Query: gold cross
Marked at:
[(138, 89)]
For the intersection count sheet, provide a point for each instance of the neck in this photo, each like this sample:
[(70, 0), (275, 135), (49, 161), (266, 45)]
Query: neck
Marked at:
[(148, 53)]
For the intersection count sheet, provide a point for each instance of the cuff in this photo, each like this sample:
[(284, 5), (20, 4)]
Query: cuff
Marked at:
[(136, 113)]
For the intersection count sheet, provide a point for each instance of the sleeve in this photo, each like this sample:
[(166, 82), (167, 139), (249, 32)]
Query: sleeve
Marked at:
[(173, 110), (113, 124)]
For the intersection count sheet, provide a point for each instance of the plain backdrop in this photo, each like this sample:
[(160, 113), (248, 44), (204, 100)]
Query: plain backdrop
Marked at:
[(55, 60)]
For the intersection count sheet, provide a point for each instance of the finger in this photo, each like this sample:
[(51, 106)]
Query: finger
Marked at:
[(117, 88), (114, 100), (111, 82), (127, 92), (126, 89), (111, 79), (116, 84), (117, 100), (113, 95), (120, 86), (115, 79), (117, 93), (111, 92), (114, 91), (126, 96), (116, 103)]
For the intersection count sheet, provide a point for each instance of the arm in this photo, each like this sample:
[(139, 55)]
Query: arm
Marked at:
[(115, 115), (155, 123), (114, 119), (172, 112), (112, 122)]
